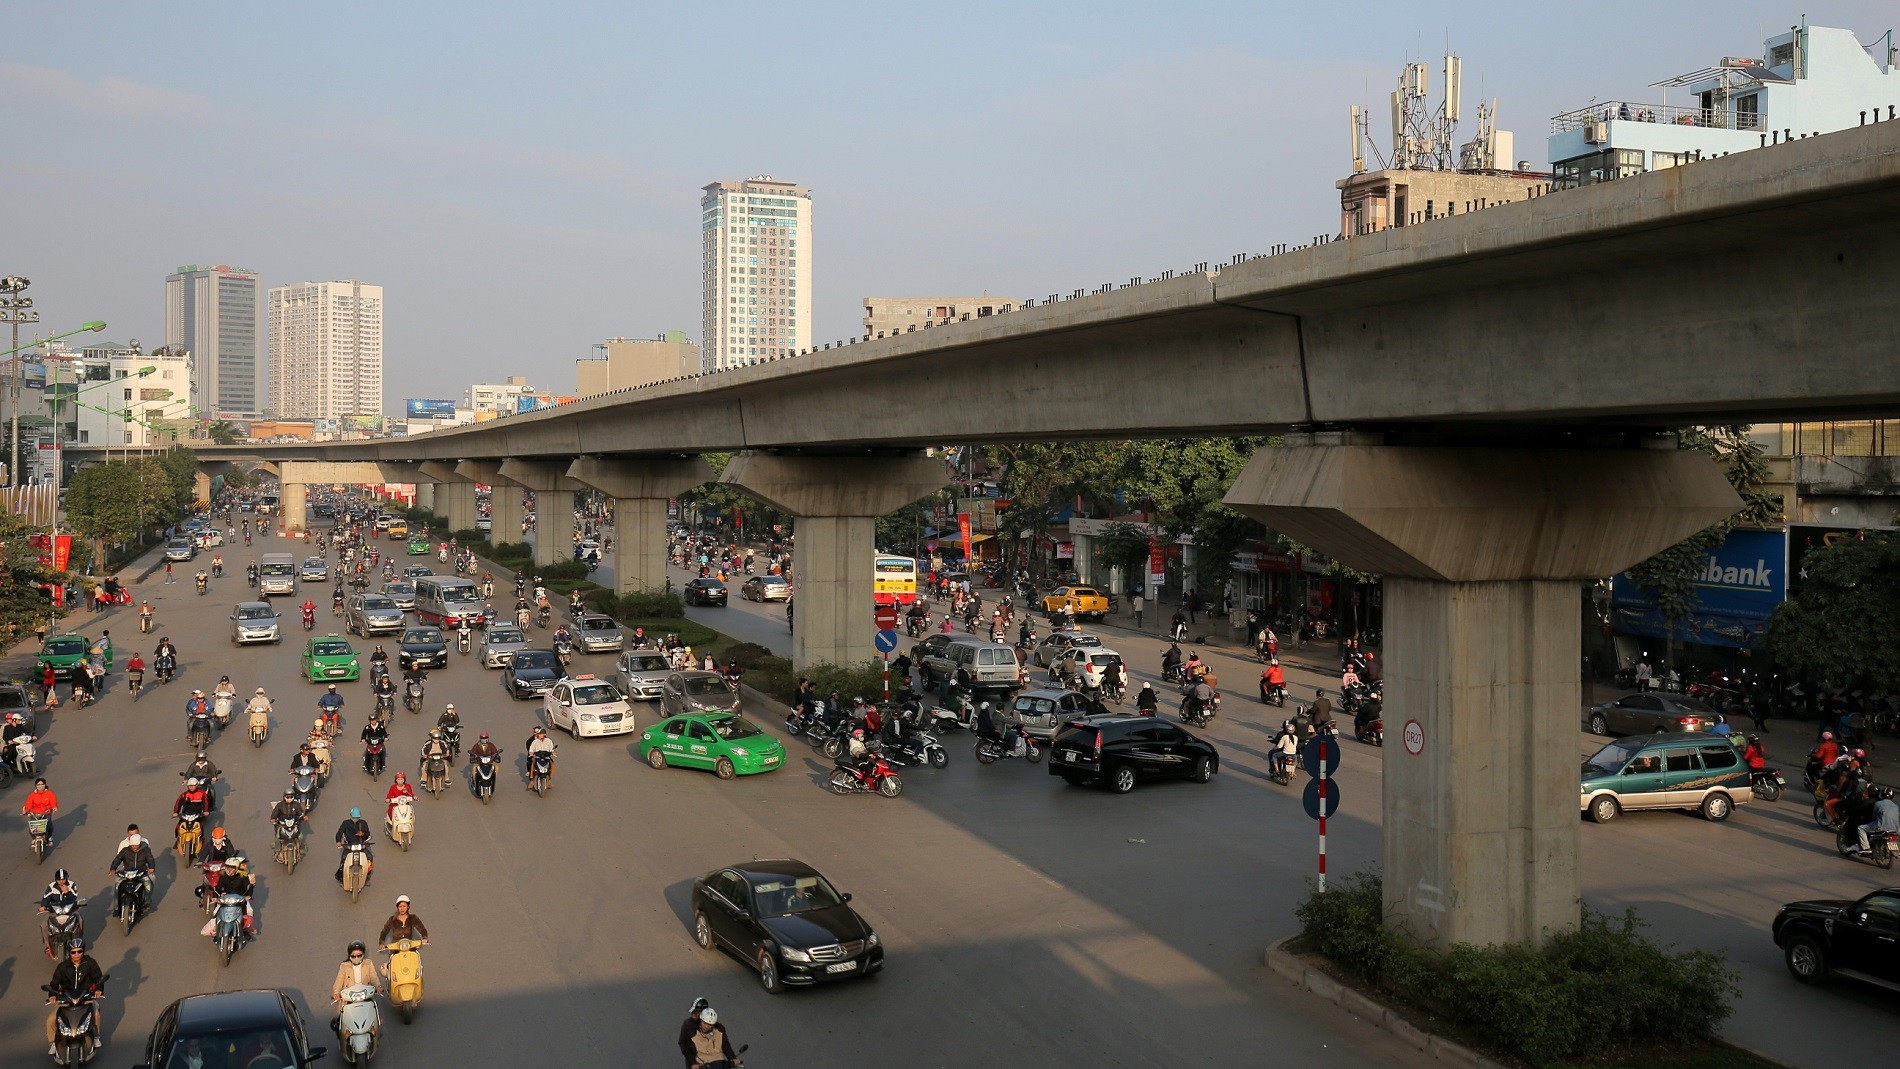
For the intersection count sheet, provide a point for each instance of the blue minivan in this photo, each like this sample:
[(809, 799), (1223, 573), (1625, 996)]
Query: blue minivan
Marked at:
[(1678, 770)]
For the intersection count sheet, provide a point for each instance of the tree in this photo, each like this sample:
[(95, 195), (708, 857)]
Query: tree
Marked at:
[(102, 502), (1041, 478), (1843, 627), (181, 467), (1125, 546), (23, 605), (1671, 573), (222, 432), (157, 494)]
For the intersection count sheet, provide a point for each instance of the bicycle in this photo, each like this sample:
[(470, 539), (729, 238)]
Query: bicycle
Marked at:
[(134, 683)]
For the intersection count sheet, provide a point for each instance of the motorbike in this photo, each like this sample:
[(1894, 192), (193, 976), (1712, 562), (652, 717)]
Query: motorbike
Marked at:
[(412, 695), (482, 778), (189, 834), (918, 748), (204, 586), (541, 771), (359, 1025), (435, 775), (259, 727), (1767, 783), (355, 869), (401, 823), (1368, 726), (198, 729), (564, 652), (221, 708), (289, 842), (164, 666), (1199, 713), (1272, 693), (1881, 846), (76, 1014), (228, 925), (879, 777), (303, 786), (543, 615), (452, 734), (25, 755), (63, 923), (385, 704), (217, 570), (404, 970), (463, 642), (836, 737), (207, 892), (375, 755), (128, 898), (1015, 743)]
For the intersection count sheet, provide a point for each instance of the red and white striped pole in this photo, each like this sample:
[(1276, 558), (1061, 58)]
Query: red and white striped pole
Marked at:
[(887, 679)]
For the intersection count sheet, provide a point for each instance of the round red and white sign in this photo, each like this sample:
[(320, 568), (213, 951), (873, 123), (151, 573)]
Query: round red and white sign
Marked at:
[(1414, 738)]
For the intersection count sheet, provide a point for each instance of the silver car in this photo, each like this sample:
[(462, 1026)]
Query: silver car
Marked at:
[(372, 614), (254, 621), (697, 692), (500, 643), (594, 633), (1040, 712), (314, 570), (402, 592), (641, 674)]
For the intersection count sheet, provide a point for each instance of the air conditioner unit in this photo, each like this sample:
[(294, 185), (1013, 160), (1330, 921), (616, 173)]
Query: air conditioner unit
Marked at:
[(1596, 132)]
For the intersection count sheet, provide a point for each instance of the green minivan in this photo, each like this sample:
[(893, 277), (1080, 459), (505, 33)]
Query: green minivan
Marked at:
[(1680, 770)]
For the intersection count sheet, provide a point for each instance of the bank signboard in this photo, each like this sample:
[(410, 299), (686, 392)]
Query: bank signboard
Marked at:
[(1735, 591)]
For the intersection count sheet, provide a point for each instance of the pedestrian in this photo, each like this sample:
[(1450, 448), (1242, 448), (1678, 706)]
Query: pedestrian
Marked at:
[(1644, 675), (1192, 603), (1139, 605), (168, 572)]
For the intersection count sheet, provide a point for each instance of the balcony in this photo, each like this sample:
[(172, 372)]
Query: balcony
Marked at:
[(1661, 114)]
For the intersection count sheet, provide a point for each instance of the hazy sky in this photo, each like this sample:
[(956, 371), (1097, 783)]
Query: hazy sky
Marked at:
[(523, 179)]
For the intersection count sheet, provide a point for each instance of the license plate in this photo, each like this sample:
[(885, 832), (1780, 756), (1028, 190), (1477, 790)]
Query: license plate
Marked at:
[(770, 761), (843, 966), (1070, 755)]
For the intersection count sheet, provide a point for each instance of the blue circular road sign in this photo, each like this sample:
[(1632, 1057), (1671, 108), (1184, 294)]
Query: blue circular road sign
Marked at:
[(886, 641)]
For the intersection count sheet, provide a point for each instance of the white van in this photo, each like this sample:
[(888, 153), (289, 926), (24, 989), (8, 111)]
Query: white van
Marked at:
[(277, 574)]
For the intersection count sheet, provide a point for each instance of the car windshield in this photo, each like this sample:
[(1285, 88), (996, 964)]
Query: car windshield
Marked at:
[(262, 1048), (1611, 757), (315, 562), (780, 896), (331, 649), (735, 727), (255, 612), (705, 685), (499, 636), (598, 623), (422, 635), (595, 694), (378, 603), (646, 662), (66, 647), (1692, 705), (180, 543), (1038, 706), (534, 659), (399, 588), (460, 595), (13, 697), (771, 580), (709, 584), (276, 569)]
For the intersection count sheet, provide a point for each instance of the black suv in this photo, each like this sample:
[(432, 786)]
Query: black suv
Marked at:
[(1859, 940), (257, 1027), (1119, 750)]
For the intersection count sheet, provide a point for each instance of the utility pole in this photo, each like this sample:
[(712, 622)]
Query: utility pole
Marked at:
[(15, 309)]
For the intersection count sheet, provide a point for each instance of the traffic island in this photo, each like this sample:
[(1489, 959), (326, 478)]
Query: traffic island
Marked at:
[(1508, 1007)]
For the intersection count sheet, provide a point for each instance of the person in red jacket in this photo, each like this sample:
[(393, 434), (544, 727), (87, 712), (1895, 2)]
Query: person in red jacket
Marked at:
[(42, 802), (399, 789)]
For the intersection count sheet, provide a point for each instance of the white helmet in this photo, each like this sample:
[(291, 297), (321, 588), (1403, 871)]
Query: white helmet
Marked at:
[(709, 1016)]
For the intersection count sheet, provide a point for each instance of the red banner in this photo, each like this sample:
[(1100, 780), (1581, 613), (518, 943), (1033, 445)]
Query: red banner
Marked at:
[(55, 551), (963, 528)]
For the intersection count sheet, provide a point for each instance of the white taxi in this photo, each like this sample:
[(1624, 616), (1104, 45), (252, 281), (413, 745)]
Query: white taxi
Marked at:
[(587, 706)]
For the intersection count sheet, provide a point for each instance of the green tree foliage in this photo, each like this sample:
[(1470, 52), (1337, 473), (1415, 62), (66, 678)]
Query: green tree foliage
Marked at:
[(1125, 546), (1843, 627), (1043, 478), (103, 502), (1183, 481), (23, 606), (1671, 573), (157, 493), (222, 433), (181, 467)]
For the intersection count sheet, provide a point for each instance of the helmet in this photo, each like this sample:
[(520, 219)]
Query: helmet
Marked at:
[(539, 730), (484, 734), (333, 686), (235, 861), (1319, 694), (709, 1016), (76, 943), (435, 733), (317, 723), (401, 899), (260, 690), (402, 777), (201, 755), (356, 813), (983, 705), (448, 707), (217, 833), (1145, 685), (290, 796), (193, 783), (304, 748), (197, 693), (1884, 792), (857, 731), (61, 876), (355, 948), (1827, 736), (1860, 754)]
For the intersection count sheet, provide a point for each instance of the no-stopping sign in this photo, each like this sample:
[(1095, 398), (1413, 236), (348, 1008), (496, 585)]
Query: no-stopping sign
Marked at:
[(1414, 738)]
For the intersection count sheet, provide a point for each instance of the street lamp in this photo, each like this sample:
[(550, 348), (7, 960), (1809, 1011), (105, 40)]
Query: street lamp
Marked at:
[(10, 311)]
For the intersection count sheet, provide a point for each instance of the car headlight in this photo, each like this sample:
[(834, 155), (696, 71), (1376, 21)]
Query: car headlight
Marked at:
[(588, 718), (871, 940), (740, 751), (794, 955)]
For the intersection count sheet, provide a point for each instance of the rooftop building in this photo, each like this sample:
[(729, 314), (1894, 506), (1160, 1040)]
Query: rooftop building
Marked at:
[(897, 315)]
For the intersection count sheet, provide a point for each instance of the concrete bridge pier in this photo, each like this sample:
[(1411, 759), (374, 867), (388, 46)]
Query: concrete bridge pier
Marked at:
[(504, 499), (295, 477), (553, 505), (836, 501), (1484, 551), (640, 487), (425, 494), (454, 493), (293, 502)]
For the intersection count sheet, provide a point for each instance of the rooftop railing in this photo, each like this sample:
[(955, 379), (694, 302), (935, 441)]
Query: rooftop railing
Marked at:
[(1630, 111)]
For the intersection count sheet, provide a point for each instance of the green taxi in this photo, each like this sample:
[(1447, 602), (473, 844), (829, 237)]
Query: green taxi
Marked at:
[(418, 546), (65, 653), (727, 743), (330, 659)]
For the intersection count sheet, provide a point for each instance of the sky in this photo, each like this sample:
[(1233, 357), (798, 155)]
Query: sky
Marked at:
[(524, 180)]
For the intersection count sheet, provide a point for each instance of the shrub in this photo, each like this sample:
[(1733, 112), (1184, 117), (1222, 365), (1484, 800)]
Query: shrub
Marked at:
[(472, 537), (698, 636), (569, 570), (513, 549), (862, 679), (751, 655), (602, 600), (658, 603)]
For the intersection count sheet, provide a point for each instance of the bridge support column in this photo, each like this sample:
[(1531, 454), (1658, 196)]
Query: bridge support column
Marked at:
[(640, 488), (454, 493), (292, 500), (553, 505), (425, 494), (504, 513), (1484, 551), (836, 501)]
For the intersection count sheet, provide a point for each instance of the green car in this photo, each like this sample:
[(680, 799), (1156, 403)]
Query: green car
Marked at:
[(418, 546), (727, 743), (329, 659), (65, 653)]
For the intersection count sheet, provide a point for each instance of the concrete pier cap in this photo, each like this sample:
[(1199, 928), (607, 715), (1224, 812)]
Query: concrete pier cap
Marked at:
[(1484, 549)]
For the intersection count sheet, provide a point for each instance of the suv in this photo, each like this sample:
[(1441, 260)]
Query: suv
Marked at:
[(262, 1026), (1831, 936), (1676, 770), (1122, 750)]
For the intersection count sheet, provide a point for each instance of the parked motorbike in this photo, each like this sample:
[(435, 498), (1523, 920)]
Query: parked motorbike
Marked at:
[(482, 778), (359, 1024), (878, 776), (1015, 743)]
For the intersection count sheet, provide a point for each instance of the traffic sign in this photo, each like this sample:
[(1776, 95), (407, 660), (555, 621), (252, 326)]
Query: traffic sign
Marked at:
[(1414, 738), (1322, 748), (886, 640), (886, 617), (1311, 798)]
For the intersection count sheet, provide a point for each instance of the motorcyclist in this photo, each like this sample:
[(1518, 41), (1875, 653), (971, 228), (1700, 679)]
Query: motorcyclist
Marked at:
[(449, 717), (259, 705), (858, 752), (540, 743), (236, 879), (1272, 680), (196, 706), (356, 969), (135, 855), (483, 748), (1320, 712), (1286, 745), (77, 974), (331, 706), (433, 748), (250, 573), (17, 728), (1754, 754), (1193, 667), (146, 616), (1886, 817), (403, 924), (707, 1046), (399, 789), (384, 688), (464, 634), (309, 761), (286, 808), (218, 848), (207, 773), (203, 580), (375, 734), (1170, 661), (1201, 697), (986, 723), (60, 896), (379, 660), (354, 831), (1145, 700), (575, 606)]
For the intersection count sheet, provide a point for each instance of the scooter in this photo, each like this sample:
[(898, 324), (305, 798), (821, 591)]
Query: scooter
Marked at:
[(452, 734), (289, 833), (375, 754), (359, 1025), (1015, 743), (404, 970), (435, 775), (190, 834), (879, 777), (1199, 713), (1883, 847), (259, 727), (1273, 694), (541, 771), (128, 898), (207, 891), (1368, 724), (198, 730), (63, 924), (401, 823), (303, 786), (918, 748), (76, 1038), (164, 666), (229, 931), (462, 642), (412, 695), (221, 708), (355, 869), (1767, 783), (385, 705), (24, 755), (482, 778)]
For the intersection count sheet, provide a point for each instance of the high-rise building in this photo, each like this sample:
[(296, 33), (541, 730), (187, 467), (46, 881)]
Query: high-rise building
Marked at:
[(326, 350), (756, 246), (211, 313)]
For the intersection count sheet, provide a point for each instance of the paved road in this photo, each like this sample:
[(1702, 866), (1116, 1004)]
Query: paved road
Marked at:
[(1029, 923)]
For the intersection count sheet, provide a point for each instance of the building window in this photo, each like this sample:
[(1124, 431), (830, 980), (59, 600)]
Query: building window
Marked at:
[(1748, 112)]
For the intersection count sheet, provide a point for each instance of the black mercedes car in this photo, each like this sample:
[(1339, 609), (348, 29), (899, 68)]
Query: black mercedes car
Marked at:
[(256, 1028), (705, 592), (787, 921), (423, 647), (531, 673), (1858, 939)]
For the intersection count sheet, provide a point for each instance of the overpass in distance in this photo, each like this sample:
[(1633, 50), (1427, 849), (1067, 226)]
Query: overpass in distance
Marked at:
[(1473, 402)]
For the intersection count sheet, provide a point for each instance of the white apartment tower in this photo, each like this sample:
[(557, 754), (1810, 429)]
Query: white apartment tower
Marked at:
[(211, 313), (756, 240), (326, 350)]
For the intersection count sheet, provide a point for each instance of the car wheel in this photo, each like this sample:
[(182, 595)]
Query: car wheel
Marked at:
[(1123, 779), (768, 972), (1807, 959), (1598, 725), (702, 932), (1717, 807), (1203, 770), (656, 758), (723, 768)]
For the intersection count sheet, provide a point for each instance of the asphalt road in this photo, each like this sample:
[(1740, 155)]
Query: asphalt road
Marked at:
[(1027, 923)]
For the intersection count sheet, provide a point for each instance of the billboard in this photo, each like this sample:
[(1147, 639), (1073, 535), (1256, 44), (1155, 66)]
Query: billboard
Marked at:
[(363, 424), (1735, 591), (426, 408)]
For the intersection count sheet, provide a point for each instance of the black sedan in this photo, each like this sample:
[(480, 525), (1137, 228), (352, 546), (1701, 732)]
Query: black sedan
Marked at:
[(786, 920), (1859, 940), (705, 592), (258, 1028), (531, 673), (423, 647)]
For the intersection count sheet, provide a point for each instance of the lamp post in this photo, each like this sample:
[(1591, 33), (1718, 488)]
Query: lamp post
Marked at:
[(14, 285)]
